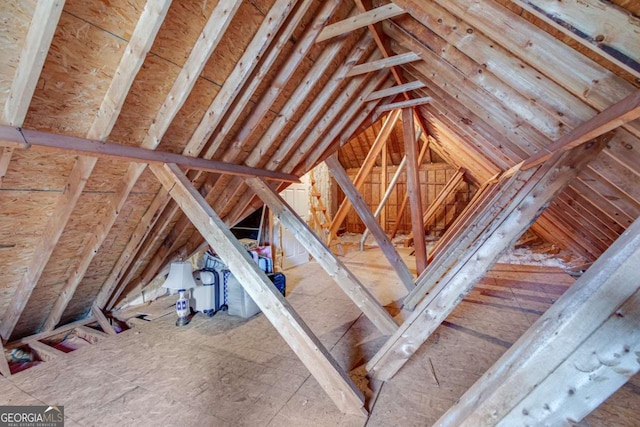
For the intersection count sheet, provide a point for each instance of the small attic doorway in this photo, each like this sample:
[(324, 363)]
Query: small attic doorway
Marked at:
[(297, 196)]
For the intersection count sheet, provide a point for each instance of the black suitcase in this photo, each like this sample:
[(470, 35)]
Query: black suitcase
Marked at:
[(280, 281)]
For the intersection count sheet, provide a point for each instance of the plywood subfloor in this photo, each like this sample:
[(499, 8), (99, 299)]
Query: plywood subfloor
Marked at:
[(228, 371)]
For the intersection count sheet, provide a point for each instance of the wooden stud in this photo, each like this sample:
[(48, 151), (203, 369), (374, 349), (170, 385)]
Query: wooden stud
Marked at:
[(413, 189), (348, 282), (300, 338), (104, 323), (370, 222), (395, 90), (381, 64), (573, 357), (406, 104), (423, 152), (46, 353), (541, 186), (364, 170), (359, 21)]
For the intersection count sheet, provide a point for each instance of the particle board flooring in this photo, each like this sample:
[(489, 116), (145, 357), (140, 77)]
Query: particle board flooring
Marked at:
[(228, 371)]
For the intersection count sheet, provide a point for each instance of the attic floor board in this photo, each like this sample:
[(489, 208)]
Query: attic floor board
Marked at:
[(228, 371)]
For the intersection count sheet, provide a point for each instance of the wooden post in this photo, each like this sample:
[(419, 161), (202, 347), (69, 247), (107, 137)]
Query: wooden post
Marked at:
[(366, 167), (413, 188), (295, 332), (540, 188), (370, 222), (575, 356), (339, 272)]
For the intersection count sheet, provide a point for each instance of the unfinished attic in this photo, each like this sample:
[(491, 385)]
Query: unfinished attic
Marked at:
[(141, 138)]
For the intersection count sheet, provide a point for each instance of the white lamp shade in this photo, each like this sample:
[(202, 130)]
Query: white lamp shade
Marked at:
[(180, 277)]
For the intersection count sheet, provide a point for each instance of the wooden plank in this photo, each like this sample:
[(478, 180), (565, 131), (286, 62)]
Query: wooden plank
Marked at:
[(616, 115), (360, 21), (370, 222), (43, 335), (300, 338), (604, 28), (395, 90), (364, 170), (542, 186), (142, 38), (102, 320), (413, 189), (45, 352), (108, 150), (381, 64), (406, 104), (4, 364), (34, 52), (90, 334), (335, 268), (576, 336)]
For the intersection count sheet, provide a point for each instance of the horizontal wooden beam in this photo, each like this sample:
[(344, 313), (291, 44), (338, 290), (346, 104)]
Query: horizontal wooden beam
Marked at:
[(395, 90), (383, 63), (109, 150), (360, 21), (405, 104), (616, 115)]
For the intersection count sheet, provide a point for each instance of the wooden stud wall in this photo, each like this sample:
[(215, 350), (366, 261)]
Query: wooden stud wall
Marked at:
[(433, 178)]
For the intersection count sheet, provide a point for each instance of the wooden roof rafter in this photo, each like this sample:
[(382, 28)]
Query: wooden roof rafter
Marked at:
[(209, 39), (259, 111), (364, 19), (228, 93)]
